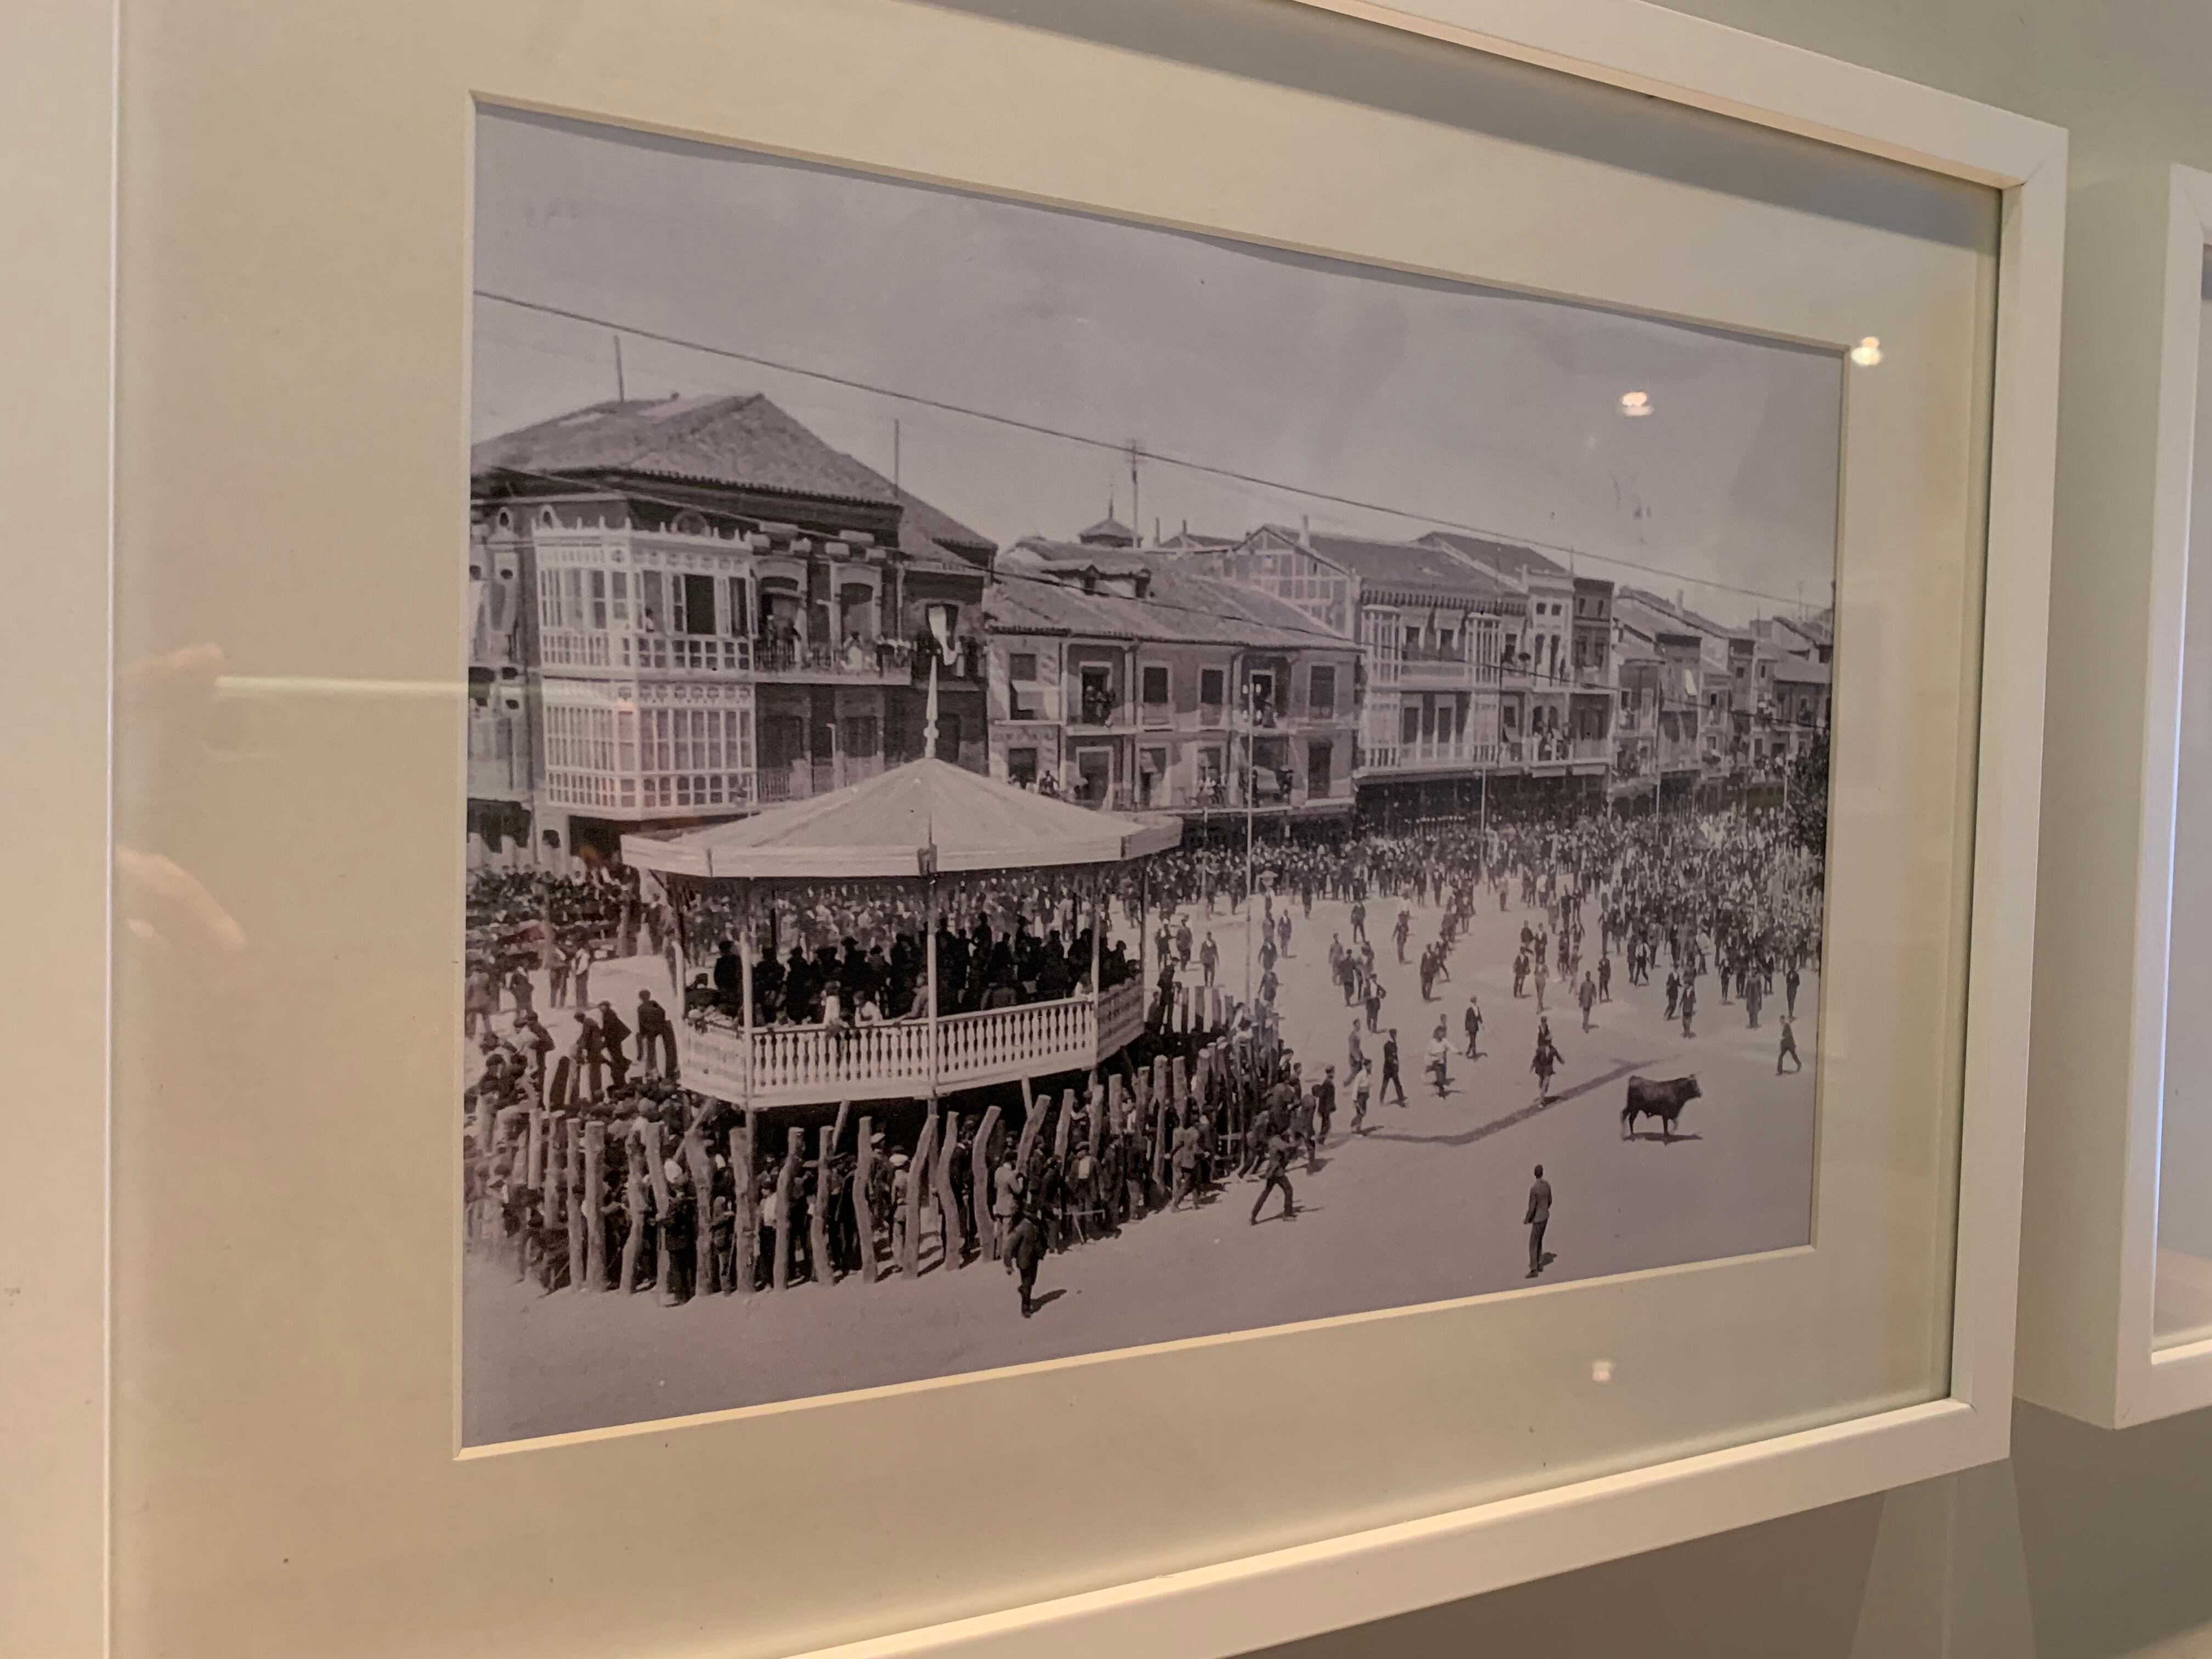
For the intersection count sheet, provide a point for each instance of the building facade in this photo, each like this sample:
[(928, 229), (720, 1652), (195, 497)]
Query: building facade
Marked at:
[(690, 608), (1147, 688)]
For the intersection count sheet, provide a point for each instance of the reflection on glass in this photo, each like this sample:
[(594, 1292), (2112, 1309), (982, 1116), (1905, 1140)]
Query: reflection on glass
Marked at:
[(2183, 1308)]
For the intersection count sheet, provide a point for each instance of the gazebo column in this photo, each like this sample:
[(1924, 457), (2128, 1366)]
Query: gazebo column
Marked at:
[(745, 997), (1097, 978)]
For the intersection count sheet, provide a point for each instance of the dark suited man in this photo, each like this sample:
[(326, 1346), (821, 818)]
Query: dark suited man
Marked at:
[(1538, 1217), (615, 1033)]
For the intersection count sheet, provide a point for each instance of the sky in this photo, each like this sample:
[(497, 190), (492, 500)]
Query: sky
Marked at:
[(1430, 404)]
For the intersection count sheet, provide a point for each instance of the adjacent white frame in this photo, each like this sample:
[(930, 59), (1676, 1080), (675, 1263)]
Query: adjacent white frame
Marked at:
[(1239, 1605), (2089, 1268)]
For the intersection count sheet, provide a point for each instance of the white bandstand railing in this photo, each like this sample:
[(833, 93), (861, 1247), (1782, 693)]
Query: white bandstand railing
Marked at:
[(794, 1064)]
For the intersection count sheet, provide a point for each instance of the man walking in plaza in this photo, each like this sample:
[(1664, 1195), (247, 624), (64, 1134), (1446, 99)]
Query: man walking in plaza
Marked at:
[(1025, 1249), (1539, 1217), (1788, 1050), (1587, 996), (1474, 1021), (1272, 1169), (1209, 957), (1390, 1077)]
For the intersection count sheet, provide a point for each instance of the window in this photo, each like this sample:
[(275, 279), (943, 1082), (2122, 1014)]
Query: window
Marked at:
[(860, 737), (650, 615), (618, 589), (1022, 766), (1321, 695), (1021, 666), (1409, 729), (1156, 684), (1212, 687), (600, 600), (697, 599)]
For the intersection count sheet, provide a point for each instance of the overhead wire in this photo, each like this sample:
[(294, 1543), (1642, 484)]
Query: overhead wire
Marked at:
[(1121, 446)]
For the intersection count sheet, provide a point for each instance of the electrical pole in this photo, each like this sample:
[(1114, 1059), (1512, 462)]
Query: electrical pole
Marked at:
[(622, 392)]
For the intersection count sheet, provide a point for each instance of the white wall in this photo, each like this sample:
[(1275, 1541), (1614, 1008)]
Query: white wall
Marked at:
[(2087, 1545)]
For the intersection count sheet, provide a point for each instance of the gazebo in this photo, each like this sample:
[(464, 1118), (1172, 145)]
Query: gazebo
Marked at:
[(913, 842)]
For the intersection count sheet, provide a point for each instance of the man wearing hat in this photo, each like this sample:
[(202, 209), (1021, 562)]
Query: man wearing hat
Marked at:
[(653, 1032)]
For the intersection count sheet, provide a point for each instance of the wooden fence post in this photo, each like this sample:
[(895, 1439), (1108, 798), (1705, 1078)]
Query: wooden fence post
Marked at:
[(817, 1223), (863, 1213), (986, 1228), (1064, 1126), (594, 1276), (1033, 1116), (662, 1275), (634, 1196), (1160, 1147), (917, 1176), (953, 1238), (778, 1266), (579, 1217), (702, 1169), (744, 1240)]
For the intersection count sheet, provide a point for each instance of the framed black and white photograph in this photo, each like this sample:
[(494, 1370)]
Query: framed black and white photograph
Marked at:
[(1179, 784)]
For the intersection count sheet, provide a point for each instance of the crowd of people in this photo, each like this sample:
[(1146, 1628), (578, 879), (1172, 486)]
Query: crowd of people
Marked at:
[(589, 1162), (863, 958), (650, 1186)]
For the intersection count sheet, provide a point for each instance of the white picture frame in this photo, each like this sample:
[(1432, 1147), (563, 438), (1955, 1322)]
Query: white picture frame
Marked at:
[(2090, 1262), (1240, 1605)]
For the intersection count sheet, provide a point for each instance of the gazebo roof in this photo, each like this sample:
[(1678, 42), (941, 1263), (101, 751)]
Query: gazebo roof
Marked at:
[(904, 822)]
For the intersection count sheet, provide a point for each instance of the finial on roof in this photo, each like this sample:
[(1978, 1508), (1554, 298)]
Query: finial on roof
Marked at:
[(929, 715)]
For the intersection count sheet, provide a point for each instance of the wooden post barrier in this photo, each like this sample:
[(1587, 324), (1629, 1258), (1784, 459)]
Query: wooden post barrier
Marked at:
[(1160, 1148), (917, 1176), (1033, 1116), (700, 1166), (1064, 1126), (817, 1221), (662, 1277), (953, 1238), (745, 1238), (987, 1227), (864, 1212), (1093, 1106), (594, 1276), (786, 1171), (633, 1196), (844, 1116), (580, 1219), (1114, 1104)]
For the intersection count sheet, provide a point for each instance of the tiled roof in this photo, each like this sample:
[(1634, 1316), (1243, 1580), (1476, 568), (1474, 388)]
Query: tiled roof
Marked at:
[(1108, 529), (1405, 565), (1678, 616), (1508, 558), (1072, 556), (1186, 610), (742, 441), (1806, 670)]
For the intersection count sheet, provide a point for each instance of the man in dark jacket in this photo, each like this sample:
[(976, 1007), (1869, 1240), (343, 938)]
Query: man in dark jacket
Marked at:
[(653, 1032), (614, 1034), (1025, 1245), (1539, 1217)]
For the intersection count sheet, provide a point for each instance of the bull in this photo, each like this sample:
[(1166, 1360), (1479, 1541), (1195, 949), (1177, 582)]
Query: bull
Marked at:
[(1662, 1098)]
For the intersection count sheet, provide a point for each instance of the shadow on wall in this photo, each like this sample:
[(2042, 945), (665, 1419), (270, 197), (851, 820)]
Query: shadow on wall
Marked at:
[(2087, 1545)]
